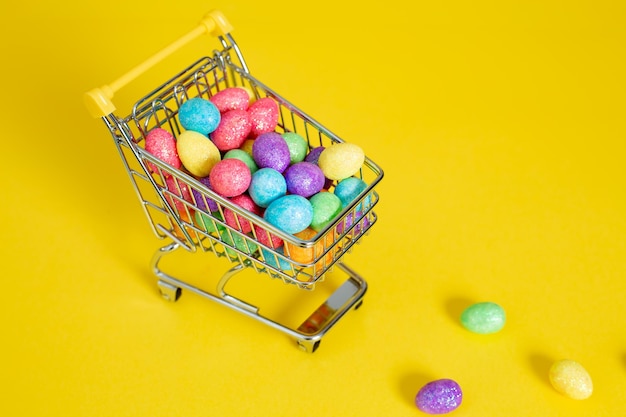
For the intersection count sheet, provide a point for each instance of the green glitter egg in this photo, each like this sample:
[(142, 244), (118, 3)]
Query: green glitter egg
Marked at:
[(483, 318), (298, 146), (326, 206)]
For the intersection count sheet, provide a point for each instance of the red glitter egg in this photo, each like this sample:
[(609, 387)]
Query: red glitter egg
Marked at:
[(161, 144), (263, 115), (237, 221), (230, 177), (231, 98), (266, 238), (232, 130), (180, 190)]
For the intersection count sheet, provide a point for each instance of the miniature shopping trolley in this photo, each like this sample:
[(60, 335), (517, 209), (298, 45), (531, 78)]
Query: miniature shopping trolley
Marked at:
[(176, 203)]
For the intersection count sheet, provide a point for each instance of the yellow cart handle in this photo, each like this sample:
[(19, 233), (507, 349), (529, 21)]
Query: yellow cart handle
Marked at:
[(98, 100)]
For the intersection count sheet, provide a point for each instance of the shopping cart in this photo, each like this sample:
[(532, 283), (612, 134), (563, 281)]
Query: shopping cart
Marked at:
[(176, 203)]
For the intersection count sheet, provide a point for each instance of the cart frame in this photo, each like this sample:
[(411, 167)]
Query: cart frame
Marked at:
[(176, 203)]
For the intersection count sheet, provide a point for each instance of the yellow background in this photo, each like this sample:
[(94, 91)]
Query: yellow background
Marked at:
[(500, 127)]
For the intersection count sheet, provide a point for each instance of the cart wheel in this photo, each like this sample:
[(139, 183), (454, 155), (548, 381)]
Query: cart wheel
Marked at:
[(168, 291), (309, 346)]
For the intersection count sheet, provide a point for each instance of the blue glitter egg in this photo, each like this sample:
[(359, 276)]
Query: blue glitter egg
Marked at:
[(349, 189), (267, 185), (199, 115), (274, 260), (291, 213)]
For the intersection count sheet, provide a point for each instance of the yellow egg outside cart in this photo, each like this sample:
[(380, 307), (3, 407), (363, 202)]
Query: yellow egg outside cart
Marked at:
[(571, 379)]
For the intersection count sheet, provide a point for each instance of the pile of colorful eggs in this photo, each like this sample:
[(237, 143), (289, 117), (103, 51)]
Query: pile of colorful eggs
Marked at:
[(231, 144)]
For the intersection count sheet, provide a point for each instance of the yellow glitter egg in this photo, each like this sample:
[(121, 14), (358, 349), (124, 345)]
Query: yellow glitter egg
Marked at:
[(251, 95), (571, 379), (247, 146), (341, 160), (197, 153)]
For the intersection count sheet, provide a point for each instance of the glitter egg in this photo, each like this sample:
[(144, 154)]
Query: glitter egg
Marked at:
[(246, 146), (326, 206), (199, 115), (349, 189), (274, 260), (304, 178), (232, 130), (266, 238), (242, 156), (203, 202), (235, 240), (231, 98), (341, 160), (307, 254), (313, 156), (230, 177), (291, 213), (571, 379), (483, 318), (180, 190), (197, 153), (263, 116), (347, 223), (439, 397), (270, 150), (161, 144), (267, 185), (208, 223), (298, 146), (237, 221)]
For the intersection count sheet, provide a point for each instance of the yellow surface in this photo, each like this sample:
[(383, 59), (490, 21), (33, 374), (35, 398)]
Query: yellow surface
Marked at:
[(500, 126)]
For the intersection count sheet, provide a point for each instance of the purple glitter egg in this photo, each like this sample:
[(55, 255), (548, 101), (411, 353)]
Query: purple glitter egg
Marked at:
[(304, 178), (198, 196), (439, 397), (314, 154), (349, 221), (270, 150)]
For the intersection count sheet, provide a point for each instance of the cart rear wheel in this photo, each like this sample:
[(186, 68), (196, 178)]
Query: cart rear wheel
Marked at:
[(168, 291)]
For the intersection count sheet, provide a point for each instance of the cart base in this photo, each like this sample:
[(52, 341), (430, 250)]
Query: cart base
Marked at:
[(308, 335)]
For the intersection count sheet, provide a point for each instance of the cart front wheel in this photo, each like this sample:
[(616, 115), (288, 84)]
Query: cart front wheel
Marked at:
[(168, 291), (309, 346)]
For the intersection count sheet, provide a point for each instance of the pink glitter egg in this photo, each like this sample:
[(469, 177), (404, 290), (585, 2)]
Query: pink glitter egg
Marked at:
[(231, 98), (270, 150), (439, 397), (161, 144), (230, 177), (263, 115), (232, 131), (179, 189), (267, 238), (237, 221)]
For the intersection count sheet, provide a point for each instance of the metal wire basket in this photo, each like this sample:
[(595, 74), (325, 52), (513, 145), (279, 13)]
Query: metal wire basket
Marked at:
[(176, 203)]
